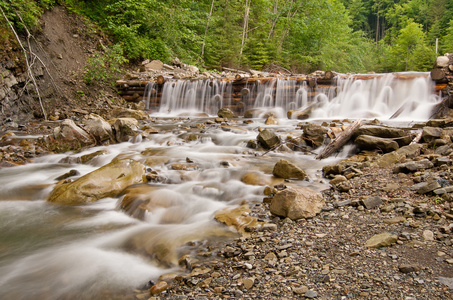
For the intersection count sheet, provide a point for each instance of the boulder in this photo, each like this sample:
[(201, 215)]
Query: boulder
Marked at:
[(267, 139), (225, 113), (99, 128), (314, 134), (297, 202), (285, 169), (125, 128), (69, 131), (368, 142), (107, 181)]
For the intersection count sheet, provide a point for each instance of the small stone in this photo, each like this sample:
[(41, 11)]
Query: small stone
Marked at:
[(428, 235), (300, 290), (395, 220), (311, 294), (408, 268), (450, 261), (381, 240), (372, 202), (248, 283)]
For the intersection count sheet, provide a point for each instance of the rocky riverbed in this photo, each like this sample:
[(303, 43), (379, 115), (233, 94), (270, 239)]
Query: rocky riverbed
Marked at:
[(384, 229)]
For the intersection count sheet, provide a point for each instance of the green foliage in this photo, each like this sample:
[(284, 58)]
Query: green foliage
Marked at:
[(24, 13), (303, 35), (104, 66)]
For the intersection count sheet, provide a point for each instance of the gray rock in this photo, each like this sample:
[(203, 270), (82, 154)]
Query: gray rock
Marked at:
[(446, 281), (444, 150), (99, 128), (285, 169), (427, 187), (431, 133), (413, 166), (372, 202), (310, 294), (368, 142), (268, 139), (69, 131)]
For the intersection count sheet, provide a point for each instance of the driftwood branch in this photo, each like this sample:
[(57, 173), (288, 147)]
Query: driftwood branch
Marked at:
[(338, 142), (29, 71)]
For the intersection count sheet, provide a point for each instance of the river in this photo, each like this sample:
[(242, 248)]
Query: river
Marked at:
[(50, 251)]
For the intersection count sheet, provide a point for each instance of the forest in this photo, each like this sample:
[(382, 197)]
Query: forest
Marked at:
[(299, 35)]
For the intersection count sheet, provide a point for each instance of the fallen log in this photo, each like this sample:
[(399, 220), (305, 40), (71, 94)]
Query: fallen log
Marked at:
[(338, 142)]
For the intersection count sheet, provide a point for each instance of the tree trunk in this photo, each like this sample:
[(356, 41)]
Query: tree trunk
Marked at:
[(206, 31), (246, 25), (342, 139)]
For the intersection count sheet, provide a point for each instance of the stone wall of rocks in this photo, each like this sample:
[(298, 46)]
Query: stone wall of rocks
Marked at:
[(18, 98)]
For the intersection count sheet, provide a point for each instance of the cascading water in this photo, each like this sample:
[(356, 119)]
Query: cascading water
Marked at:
[(383, 96), (49, 251)]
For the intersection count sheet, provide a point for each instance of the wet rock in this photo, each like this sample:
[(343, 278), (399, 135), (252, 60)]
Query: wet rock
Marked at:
[(255, 178), (381, 240), (71, 173), (285, 169), (296, 203), (99, 128), (271, 120), (69, 131), (368, 142), (430, 134), (107, 181), (226, 113), (314, 134), (158, 288), (238, 218), (413, 166), (125, 128), (268, 139)]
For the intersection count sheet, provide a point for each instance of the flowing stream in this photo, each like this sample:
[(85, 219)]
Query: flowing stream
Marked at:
[(50, 251)]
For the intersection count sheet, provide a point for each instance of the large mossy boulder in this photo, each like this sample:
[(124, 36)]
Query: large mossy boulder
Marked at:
[(107, 181)]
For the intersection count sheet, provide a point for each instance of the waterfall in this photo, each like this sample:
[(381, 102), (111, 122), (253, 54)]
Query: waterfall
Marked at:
[(407, 96)]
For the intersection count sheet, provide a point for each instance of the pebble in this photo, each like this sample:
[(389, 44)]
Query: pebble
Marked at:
[(310, 294)]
